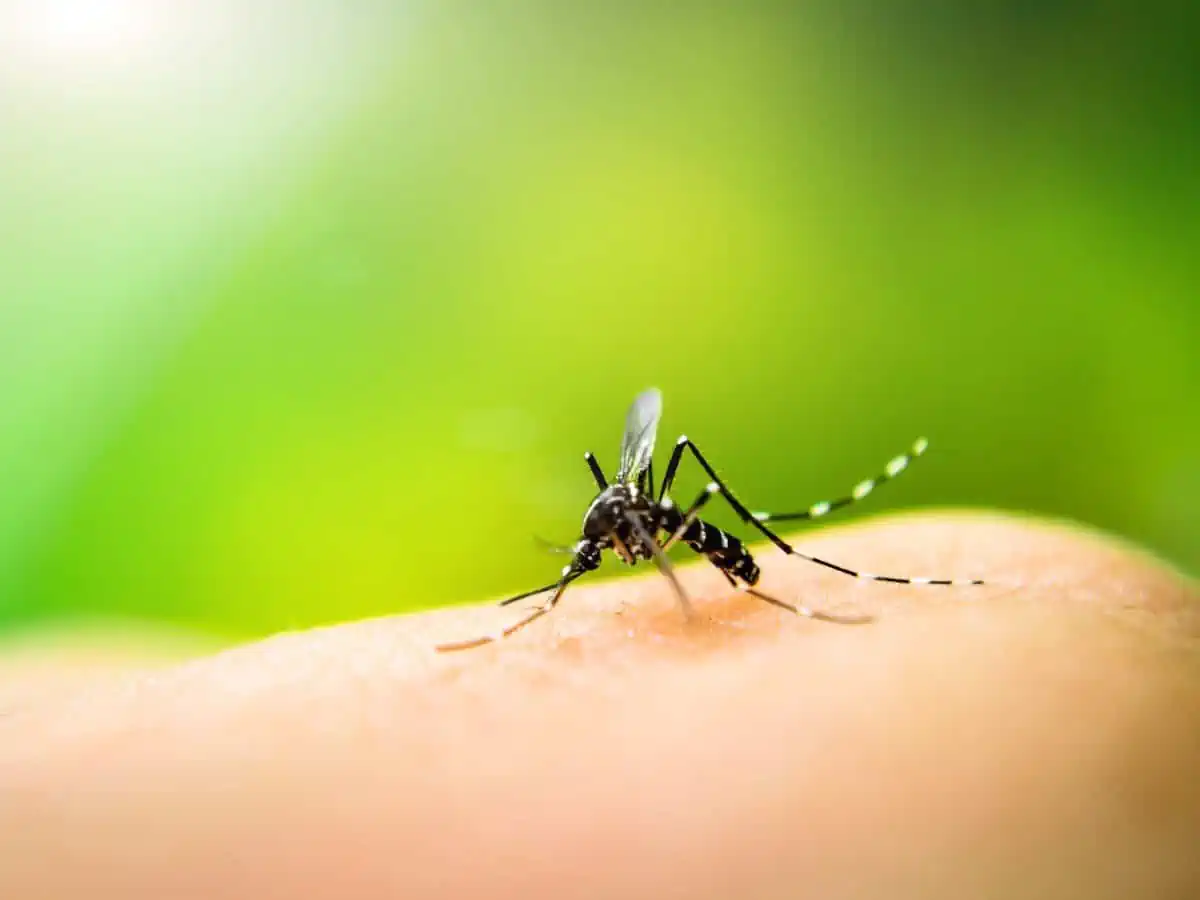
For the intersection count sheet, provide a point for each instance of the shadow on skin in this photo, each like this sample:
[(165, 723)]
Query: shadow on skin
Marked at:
[(1038, 735)]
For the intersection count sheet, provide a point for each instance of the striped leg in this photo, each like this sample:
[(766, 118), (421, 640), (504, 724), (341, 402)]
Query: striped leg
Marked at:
[(724, 565), (861, 490), (749, 518)]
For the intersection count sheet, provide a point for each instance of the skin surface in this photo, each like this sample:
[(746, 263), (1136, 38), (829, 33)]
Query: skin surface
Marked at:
[(1038, 736)]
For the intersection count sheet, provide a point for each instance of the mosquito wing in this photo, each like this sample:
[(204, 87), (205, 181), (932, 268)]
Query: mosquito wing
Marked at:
[(641, 427)]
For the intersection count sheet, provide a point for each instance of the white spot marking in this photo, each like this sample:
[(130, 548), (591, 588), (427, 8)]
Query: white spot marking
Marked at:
[(724, 541), (920, 580), (566, 570), (866, 576), (667, 503), (896, 466), (713, 487), (819, 509), (920, 446), (761, 516), (863, 488), (683, 439)]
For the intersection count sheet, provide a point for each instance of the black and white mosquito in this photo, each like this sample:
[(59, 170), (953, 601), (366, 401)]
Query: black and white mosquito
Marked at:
[(630, 519)]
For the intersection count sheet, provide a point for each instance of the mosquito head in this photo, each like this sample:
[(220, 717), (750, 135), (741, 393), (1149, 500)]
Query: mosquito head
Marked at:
[(587, 556)]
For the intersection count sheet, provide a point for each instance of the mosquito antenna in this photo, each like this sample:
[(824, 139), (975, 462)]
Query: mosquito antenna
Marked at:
[(551, 547)]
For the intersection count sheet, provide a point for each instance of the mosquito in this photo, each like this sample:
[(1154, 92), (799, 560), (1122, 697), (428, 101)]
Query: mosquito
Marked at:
[(630, 519)]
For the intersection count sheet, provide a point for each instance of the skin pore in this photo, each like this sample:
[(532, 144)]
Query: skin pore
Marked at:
[(1037, 736)]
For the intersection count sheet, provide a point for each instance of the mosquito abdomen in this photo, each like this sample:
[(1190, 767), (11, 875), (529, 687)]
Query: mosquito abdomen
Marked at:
[(723, 549)]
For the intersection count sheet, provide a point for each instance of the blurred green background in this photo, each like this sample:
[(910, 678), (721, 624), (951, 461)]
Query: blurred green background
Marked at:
[(309, 310)]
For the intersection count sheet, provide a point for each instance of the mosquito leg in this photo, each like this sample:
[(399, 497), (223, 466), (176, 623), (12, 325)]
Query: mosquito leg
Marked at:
[(597, 472), (691, 515), (744, 514), (541, 590), (672, 466), (897, 465), (798, 610), (809, 613), (452, 646), (664, 564), (471, 644), (747, 517), (559, 586)]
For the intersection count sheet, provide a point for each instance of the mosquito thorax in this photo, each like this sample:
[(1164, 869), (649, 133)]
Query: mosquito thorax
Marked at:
[(606, 515)]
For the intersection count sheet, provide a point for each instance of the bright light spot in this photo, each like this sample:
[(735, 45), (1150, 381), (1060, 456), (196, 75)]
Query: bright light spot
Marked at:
[(63, 31)]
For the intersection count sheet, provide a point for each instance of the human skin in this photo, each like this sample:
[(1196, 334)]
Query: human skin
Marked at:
[(1038, 736)]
